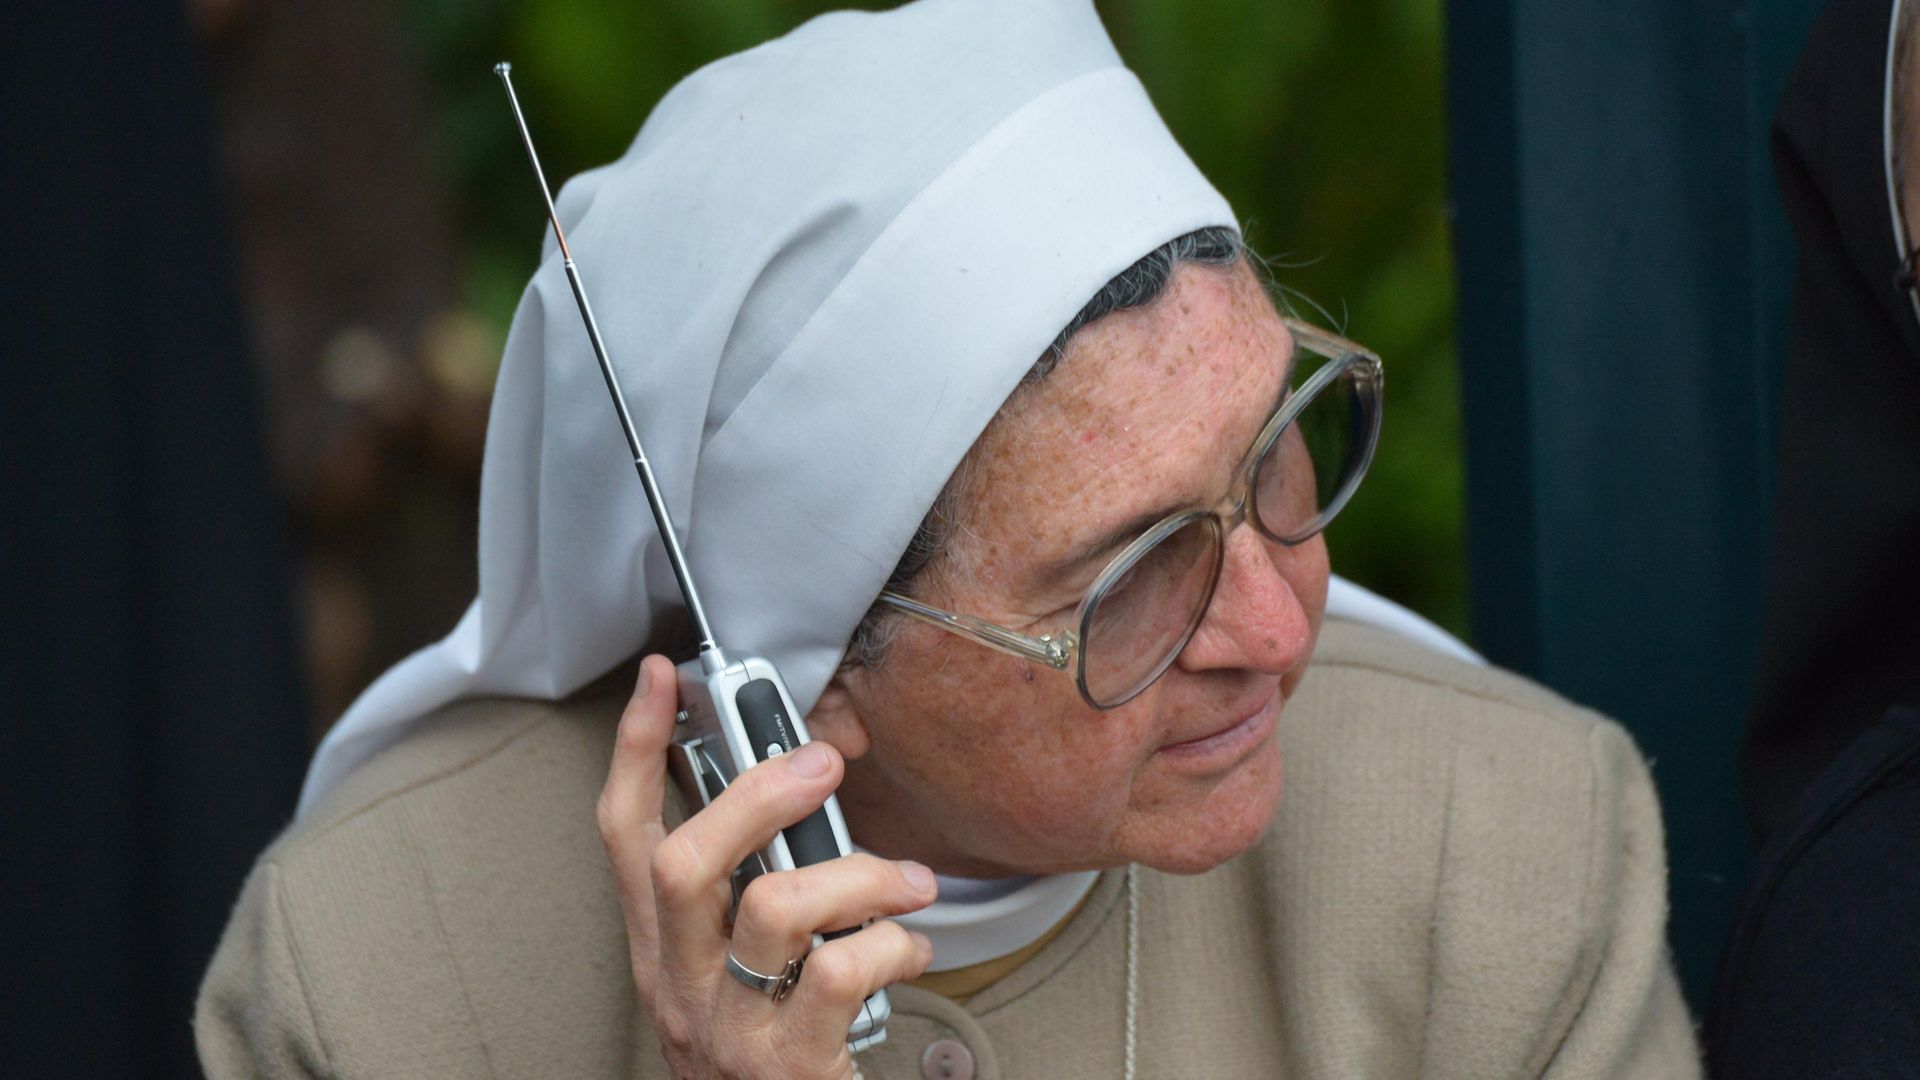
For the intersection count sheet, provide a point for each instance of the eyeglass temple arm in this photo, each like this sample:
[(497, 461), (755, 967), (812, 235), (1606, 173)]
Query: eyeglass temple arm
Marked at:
[(1324, 342), (1051, 651)]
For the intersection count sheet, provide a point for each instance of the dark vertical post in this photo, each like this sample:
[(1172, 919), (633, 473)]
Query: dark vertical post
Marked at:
[(1623, 287), (154, 733)]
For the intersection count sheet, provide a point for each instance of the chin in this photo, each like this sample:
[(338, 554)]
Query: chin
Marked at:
[(1226, 822)]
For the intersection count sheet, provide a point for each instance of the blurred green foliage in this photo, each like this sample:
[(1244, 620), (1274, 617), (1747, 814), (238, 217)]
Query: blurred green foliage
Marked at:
[(1321, 120)]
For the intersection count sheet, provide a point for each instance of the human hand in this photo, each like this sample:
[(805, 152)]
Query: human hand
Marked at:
[(675, 891)]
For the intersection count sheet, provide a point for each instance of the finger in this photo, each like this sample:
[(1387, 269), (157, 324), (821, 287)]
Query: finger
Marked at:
[(742, 820), (840, 975), (780, 913), (631, 801), (692, 867)]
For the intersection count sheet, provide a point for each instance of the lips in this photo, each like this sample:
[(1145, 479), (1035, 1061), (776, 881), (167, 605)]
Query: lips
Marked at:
[(1239, 729)]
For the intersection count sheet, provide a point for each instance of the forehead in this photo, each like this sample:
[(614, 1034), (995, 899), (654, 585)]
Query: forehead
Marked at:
[(1151, 407)]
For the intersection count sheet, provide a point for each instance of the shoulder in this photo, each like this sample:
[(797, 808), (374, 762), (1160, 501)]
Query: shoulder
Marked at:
[(1463, 848), (1428, 779), (1457, 763), (1431, 733), (456, 752), (1353, 655), (500, 790), (450, 900)]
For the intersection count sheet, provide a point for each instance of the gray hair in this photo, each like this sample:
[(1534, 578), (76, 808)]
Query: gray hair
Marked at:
[(1136, 286)]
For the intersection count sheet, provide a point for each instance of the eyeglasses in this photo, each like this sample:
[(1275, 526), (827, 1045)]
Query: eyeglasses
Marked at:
[(1147, 602), (1897, 144)]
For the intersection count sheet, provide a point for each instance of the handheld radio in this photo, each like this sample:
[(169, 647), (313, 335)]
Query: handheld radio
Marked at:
[(733, 713)]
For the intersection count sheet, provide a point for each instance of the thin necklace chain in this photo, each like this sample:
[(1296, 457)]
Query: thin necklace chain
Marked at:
[(1133, 960), (1133, 969)]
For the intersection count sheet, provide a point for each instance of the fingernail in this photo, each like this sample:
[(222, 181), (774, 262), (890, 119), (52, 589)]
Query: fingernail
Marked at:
[(926, 943), (646, 681), (810, 760), (917, 876)]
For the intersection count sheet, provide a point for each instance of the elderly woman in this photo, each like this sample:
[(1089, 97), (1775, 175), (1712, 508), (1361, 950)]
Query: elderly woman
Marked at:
[(846, 278)]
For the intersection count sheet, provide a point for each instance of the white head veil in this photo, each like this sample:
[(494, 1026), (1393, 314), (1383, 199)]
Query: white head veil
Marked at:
[(820, 269)]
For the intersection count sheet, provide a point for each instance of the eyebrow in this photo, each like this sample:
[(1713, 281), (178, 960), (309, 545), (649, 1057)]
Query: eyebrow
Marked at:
[(1110, 541)]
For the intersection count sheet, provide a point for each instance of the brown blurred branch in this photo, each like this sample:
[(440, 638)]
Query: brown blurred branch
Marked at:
[(376, 381)]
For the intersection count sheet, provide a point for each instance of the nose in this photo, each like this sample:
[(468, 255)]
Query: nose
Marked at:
[(1257, 620)]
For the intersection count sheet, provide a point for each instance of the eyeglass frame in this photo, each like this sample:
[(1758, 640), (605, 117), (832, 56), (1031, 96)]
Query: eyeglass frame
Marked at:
[(1060, 650), (1906, 279)]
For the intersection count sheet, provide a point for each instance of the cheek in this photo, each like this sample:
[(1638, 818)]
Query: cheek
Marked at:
[(1191, 831), (1067, 767), (1008, 752)]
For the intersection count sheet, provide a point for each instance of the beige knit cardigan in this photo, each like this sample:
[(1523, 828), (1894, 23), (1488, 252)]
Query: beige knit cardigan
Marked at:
[(1466, 878)]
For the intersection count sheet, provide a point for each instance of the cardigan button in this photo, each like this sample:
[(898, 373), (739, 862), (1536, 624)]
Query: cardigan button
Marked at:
[(947, 1059)]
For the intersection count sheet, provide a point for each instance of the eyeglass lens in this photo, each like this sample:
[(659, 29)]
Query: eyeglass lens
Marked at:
[(1138, 624), (1316, 462), (1144, 616)]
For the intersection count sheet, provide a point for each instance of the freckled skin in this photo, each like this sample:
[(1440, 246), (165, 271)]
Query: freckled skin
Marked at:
[(980, 764)]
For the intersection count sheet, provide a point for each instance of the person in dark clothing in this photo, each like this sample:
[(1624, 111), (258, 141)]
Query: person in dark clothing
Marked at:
[(1841, 642), (1821, 976)]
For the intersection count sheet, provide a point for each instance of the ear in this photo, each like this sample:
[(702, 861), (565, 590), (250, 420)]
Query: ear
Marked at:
[(835, 719)]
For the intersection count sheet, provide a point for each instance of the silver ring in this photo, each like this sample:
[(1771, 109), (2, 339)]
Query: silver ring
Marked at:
[(774, 986)]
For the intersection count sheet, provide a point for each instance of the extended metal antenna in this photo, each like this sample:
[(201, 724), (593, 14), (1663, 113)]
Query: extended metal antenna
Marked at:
[(711, 658)]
